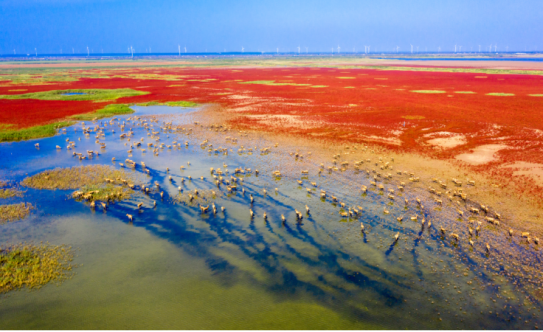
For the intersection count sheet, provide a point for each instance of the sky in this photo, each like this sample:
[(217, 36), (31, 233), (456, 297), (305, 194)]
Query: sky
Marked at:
[(162, 26)]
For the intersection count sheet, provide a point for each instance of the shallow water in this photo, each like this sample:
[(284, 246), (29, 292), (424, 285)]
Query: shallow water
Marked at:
[(73, 93), (175, 268)]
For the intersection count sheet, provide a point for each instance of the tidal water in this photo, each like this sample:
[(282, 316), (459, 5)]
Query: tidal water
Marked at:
[(176, 268)]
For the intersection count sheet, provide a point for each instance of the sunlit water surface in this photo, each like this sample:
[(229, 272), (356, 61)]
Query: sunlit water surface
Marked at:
[(174, 268)]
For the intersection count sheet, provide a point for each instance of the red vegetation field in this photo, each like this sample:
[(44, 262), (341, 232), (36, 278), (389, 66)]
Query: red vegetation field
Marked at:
[(354, 105)]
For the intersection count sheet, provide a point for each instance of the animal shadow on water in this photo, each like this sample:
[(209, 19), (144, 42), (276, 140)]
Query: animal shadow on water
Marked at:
[(255, 246)]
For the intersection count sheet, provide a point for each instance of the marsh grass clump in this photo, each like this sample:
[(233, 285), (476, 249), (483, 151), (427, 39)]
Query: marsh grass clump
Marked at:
[(13, 212), (7, 193), (109, 110), (75, 177), (33, 265), (78, 94), (9, 133)]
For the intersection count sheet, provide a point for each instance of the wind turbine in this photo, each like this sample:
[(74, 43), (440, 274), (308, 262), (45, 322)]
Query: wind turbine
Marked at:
[(439, 49), (338, 49), (14, 51), (298, 49), (88, 53), (397, 49), (411, 48), (479, 48), (73, 50), (454, 48), (242, 49)]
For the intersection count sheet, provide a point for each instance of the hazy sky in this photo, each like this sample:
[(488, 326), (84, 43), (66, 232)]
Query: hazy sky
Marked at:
[(261, 25)]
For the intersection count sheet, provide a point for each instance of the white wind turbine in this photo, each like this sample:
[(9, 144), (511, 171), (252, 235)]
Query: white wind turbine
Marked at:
[(438, 49), (338, 49), (242, 49), (454, 48), (88, 53), (411, 48)]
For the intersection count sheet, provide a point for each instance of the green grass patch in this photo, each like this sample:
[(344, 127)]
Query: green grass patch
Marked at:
[(182, 103), (500, 94), (33, 266), (13, 212), (536, 95), (318, 86), (89, 94), (465, 92), (273, 83), (8, 135), (149, 103), (428, 91), (108, 111)]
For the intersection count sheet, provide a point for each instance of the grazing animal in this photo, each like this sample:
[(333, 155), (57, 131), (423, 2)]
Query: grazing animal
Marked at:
[(265, 216), (161, 194), (283, 219), (362, 227), (130, 217), (252, 213), (251, 197), (396, 237), (154, 203), (139, 205), (400, 218), (487, 248), (510, 232), (471, 243)]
